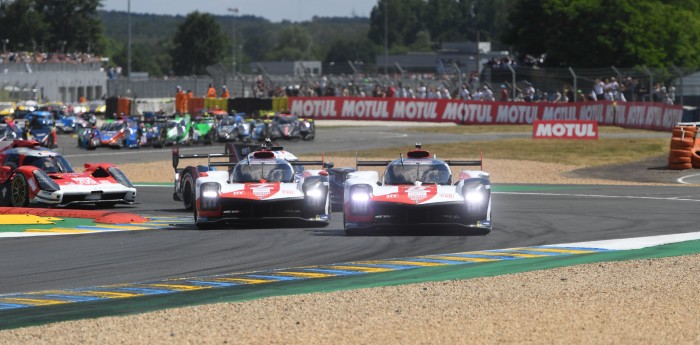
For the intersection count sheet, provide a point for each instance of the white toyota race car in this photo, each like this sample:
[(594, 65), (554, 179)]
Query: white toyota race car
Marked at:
[(263, 185), (417, 190)]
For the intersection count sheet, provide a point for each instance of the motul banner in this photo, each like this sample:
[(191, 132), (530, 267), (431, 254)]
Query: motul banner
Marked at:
[(654, 116), (547, 129)]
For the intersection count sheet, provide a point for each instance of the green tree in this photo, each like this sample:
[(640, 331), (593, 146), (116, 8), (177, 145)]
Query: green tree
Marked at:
[(404, 21), (344, 49), (198, 43), (595, 33), (22, 26), (293, 43), (74, 22)]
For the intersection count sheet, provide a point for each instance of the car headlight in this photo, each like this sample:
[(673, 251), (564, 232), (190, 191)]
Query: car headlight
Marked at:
[(209, 196), (120, 177), (360, 196), (314, 193), (45, 182), (474, 193)]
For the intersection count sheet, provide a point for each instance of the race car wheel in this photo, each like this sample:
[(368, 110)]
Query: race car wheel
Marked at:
[(188, 196), (19, 193), (50, 142)]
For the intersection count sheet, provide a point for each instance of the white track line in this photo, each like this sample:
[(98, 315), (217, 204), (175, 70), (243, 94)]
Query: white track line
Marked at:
[(634, 243), (600, 196), (682, 179)]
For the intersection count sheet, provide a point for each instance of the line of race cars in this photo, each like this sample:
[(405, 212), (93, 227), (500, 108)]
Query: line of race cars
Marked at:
[(158, 130), (256, 184)]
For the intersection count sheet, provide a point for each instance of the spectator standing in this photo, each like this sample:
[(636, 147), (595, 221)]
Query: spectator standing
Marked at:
[(487, 94), (211, 92), (504, 93), (599, 89), (464, 93), (224, 92), (179, 99), (529, 92)]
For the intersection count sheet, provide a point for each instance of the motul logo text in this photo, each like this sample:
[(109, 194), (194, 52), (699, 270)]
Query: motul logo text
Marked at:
[(565, 129)]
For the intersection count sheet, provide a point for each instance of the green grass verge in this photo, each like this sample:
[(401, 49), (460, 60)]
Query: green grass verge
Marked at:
[(572, 152)]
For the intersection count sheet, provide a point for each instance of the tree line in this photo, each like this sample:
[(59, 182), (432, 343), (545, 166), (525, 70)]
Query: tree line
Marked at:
[(575, 33)]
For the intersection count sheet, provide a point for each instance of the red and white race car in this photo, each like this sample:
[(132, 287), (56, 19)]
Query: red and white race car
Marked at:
[(417, 190), (31, 174), (264, 185)]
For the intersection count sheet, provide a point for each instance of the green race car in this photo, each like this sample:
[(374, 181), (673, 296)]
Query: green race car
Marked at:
[(178, 131), (204, 129)]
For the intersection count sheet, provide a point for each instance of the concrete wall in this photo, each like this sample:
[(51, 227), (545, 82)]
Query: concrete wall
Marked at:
[(53, 82)]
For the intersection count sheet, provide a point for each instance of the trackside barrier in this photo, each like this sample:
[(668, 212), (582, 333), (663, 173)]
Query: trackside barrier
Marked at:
[(654, 116), (280, 104), (685, 147)]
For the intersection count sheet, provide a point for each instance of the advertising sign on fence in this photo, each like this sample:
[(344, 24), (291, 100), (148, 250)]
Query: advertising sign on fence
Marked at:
[(648, 115), (562, 129)]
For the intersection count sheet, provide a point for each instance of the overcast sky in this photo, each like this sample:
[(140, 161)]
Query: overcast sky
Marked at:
[(274, 10)]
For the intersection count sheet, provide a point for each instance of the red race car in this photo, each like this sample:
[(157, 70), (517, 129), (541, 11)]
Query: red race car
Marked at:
[(31, 174)]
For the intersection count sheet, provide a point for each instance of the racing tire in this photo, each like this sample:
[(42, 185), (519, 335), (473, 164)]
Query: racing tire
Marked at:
[(188, 197), (680, 143), (679, 159), (695, 158), (680, 153), (680, 166), (683, 133), (19, 191)]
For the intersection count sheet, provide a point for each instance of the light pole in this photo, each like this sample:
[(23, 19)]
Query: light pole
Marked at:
[(386, 38), (128, 43), (4, 45), (233, 10)]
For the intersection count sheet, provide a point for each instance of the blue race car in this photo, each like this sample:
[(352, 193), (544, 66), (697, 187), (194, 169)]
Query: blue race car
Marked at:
[(40, 126), (234, 128), (120, 133)]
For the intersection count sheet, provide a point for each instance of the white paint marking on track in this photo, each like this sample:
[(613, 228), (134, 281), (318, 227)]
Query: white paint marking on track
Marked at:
[(601, 196), (682, 179), (634, 243)]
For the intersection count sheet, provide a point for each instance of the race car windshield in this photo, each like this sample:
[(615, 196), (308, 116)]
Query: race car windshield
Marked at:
[(227, 121), (409, 173), (286, 120), (271, 172), (50, 165)]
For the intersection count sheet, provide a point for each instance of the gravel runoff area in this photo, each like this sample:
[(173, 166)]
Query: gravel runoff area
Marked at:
[(651, 301)]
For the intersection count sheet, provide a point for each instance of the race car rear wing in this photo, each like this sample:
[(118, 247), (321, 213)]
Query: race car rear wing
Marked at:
[(450, 162), (234, 153)]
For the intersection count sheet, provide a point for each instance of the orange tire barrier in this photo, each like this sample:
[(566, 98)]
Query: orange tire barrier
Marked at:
[(684, 148), (680, 166), (682, 143), (682, 133), (679, 160), (695, 158)]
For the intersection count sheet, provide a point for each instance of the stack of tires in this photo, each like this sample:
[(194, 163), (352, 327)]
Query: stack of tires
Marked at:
[(684, 151)]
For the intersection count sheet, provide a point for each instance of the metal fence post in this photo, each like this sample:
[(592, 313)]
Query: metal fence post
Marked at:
[(680, 79), (512, 71), (573, 74), (651, 83)]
